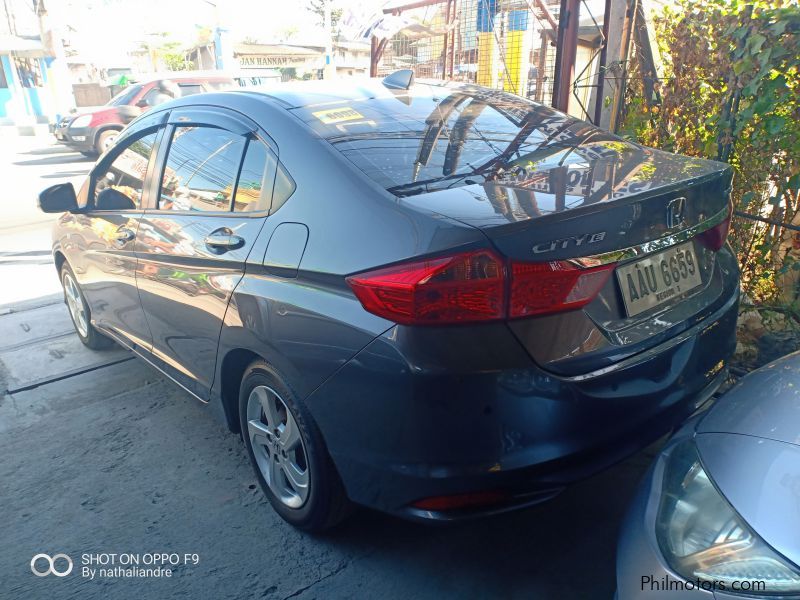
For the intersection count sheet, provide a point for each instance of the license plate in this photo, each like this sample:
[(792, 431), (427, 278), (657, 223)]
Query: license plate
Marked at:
[(659, 278)]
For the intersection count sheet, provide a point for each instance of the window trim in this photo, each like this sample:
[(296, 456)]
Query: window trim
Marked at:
[(109, 159)]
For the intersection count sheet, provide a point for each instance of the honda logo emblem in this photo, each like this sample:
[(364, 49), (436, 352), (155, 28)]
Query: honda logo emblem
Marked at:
[(676, 212)]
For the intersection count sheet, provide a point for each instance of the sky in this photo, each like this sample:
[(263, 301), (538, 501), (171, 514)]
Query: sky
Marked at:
[(107, 28)]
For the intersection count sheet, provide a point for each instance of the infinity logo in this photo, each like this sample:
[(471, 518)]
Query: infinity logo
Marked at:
[(51, 561)]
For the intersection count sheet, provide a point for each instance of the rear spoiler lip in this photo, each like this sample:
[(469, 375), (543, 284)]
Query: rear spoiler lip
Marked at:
[(724, 171), (678, 185)]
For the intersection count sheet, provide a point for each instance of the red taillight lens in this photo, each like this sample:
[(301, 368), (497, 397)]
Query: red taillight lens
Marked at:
[(457, 501), (472, 287), (456, 289), (714, 238), (539, 288)]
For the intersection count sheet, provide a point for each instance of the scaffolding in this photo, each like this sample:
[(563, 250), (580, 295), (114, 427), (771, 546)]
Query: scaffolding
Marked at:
[(552, 51)]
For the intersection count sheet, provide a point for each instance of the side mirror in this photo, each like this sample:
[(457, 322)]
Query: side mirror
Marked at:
[(142, 103), (58, 198), (111, 199)]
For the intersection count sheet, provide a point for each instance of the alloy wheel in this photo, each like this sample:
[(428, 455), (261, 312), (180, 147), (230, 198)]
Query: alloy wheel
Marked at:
[(75, 305), (278, 446)]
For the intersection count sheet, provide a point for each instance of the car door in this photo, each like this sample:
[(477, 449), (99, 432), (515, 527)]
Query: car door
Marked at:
[(104, 234), (209, 204)]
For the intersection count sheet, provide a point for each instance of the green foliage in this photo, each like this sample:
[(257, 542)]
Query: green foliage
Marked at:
[(174, 58), (731, 91), (167, 53), (317, 7)]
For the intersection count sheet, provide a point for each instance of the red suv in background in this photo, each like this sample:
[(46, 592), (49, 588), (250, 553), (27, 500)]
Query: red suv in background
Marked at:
[(91, 130)]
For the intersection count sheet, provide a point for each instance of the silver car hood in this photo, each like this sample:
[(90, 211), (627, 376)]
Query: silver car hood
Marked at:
[(764, 404), (761, 480), (749, 443)]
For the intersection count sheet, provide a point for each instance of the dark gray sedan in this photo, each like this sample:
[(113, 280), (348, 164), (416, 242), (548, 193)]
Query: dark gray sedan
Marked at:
[(439, 301), (719, 514)]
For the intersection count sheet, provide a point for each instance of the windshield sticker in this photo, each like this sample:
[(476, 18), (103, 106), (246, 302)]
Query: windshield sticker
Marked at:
[(337, 115)]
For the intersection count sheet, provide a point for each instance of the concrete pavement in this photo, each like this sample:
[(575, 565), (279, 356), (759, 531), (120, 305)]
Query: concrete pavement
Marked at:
[(30, 164)]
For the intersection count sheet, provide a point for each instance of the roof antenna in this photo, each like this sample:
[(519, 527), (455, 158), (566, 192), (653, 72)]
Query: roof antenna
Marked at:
[(399, 80)]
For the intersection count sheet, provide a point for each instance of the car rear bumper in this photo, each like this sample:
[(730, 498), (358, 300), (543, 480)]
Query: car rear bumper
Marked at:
[(404, 424)]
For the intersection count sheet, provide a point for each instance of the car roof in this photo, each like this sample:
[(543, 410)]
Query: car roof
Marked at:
[(183, 76), (438, 126), (301, 94)]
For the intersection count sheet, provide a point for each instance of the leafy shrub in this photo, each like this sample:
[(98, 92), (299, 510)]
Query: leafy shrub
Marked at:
[(731, 91)]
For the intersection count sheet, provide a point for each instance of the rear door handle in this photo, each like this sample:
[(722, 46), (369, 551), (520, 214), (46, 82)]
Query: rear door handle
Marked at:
[(124, 234), (224, 241)]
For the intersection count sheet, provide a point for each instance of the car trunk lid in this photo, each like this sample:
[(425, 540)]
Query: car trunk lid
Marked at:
[(614, 202)]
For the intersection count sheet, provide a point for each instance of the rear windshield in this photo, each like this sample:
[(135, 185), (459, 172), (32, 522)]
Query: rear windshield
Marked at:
[(412, 144)]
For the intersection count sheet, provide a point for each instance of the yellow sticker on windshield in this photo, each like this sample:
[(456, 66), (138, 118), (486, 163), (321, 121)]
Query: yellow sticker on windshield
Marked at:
[(337, 115)]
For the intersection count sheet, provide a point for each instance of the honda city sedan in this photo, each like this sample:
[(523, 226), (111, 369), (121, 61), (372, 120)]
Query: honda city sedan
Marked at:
[(439, 301)]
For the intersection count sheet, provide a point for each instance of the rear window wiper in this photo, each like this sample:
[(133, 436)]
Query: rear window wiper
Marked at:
[(429, 185)]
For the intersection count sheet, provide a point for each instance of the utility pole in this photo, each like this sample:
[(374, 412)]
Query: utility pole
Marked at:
[(223, 52), (329, 71)]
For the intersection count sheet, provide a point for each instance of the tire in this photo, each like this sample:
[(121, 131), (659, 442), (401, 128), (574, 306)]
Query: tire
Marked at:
[(105, 139), (322, 503), (79, 312)]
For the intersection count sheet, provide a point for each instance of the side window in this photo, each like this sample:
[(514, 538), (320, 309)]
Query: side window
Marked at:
[(254, 190), (201, 169), (120, 186), (284, 188), (150, 97)]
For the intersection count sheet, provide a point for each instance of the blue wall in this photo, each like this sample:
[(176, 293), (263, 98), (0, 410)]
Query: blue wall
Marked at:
[(35, 100), (5, 93)]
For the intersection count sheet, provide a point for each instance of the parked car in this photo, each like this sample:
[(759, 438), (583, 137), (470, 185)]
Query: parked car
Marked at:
[(718, 515), (91, 130), (439, 301)]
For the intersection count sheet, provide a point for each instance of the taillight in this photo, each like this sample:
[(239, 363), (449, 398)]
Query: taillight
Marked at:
[(475, 286), (460, 501), (714, 238), (455, 289), (539, 288)]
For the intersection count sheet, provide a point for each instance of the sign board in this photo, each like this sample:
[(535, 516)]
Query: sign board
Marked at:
[(267, 61)]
